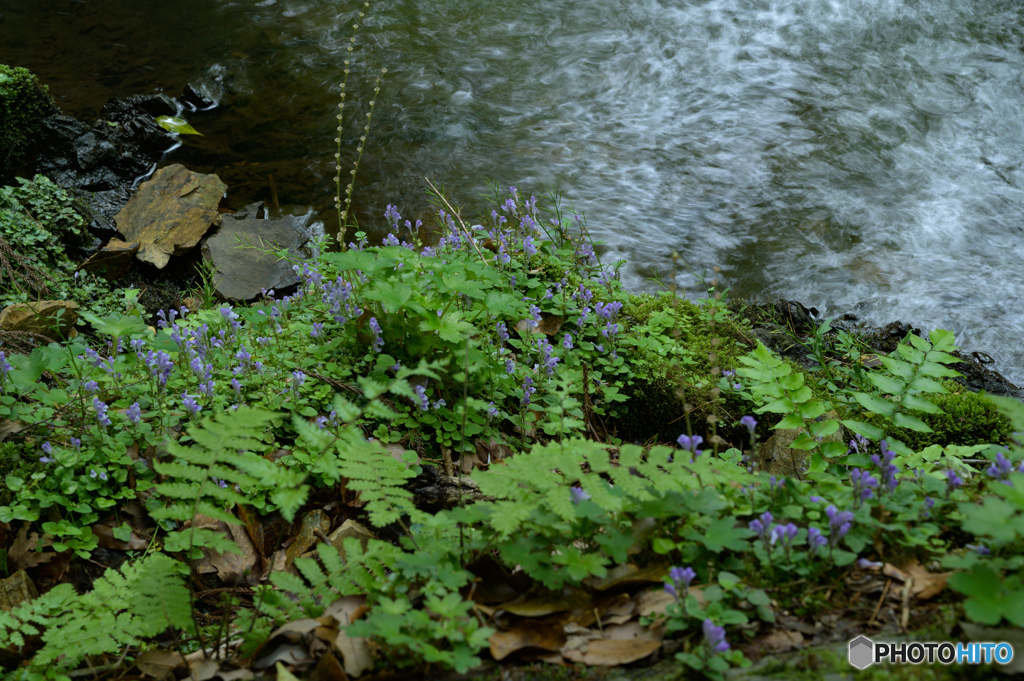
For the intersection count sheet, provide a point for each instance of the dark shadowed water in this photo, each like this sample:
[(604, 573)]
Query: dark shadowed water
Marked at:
[(857, 155)]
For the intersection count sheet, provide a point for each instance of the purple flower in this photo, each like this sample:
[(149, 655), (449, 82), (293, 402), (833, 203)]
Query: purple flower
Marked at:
[(5, 366), (815, 540), (839, 522), (421, 392), (857, 443), (865, 564), (953, 481), (787, 533), (714, 637), (510, 366), (886, 467), (567, 342), (47, 448), (690, 444), (46, 459), (679, 577), (317, 329), (440, 403), (547, 360), (237, 387), (76, 443), (299, 377), (529, 247), (528, 390), (1001, 469), (378, 342), (816, 499), (863, 486), (159, 364), (761, 525), (190, 404), (101, 412), (980, 550), (90, 386), (749, 423), (492, 411), (134, 413), (578, 494), (502, 332)]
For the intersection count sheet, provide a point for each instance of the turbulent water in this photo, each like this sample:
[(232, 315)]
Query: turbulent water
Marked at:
[(861, 156)]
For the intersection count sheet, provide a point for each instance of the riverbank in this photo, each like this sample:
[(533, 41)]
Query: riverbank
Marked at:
[(486, 446)]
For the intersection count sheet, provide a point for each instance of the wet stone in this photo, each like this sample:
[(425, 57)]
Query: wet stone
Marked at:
[(238, 253)]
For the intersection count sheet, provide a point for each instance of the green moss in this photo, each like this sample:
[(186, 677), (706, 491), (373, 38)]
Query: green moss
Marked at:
[(671, 342), (969, 419), (24, 102)]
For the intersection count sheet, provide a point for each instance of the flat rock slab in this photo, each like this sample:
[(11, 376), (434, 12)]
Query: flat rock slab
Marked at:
[(113, 260), (170, 213), (50, 318), (241, 267)]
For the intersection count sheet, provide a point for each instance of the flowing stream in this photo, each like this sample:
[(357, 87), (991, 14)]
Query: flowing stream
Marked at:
[(861, 156)]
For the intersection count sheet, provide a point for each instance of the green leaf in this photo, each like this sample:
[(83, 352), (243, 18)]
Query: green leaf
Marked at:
[(920, 404), (887, 384), (722, 534), (866, 429), (875, 404), (177, 125), (982, 585), (902, 420)]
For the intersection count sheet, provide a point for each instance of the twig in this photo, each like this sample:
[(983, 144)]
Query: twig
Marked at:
[(452, 211), (878, 606), (905, 615)]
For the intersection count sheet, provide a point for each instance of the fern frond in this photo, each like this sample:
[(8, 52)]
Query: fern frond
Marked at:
[(143, 599), (212, 474)]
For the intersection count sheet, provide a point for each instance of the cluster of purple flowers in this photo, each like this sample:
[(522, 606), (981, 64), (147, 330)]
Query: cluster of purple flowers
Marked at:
[(101, 412), (679, 578), (1002, 468), (548, 361), (864, 485), (5, 368), (528, 390), (887, 469), (378, 341)]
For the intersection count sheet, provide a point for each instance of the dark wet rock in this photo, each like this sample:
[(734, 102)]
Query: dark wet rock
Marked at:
[(196, 98), (155, 105), (170, 213), (241, 273), (137, 125), (113, 260), (785, 326)]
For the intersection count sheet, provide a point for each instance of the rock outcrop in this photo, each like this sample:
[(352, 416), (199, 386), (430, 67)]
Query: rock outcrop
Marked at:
[(170, 213), (52, 319)]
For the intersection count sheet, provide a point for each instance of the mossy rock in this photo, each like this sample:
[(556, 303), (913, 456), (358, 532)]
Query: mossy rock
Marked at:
[(668, 350), (969, 419), (24, 103)]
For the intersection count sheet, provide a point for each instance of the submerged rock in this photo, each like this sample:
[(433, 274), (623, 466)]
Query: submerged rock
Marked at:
[(50, 318), (171, 213), (242, 267)]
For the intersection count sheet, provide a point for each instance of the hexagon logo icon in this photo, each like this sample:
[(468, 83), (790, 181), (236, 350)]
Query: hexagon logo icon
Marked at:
[(862, 652)]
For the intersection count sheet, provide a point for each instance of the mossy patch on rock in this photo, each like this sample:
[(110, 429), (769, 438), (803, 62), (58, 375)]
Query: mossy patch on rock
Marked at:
[(24, 103), (670, 341)]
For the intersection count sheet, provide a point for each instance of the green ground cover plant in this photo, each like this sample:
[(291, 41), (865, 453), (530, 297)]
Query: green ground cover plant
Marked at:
[(510, 330)]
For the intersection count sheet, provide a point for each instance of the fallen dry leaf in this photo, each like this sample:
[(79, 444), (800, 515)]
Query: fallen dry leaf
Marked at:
[(926, 584), (289, 654), (105, 537), (627, 573), (780, 640), (526, 634), (893, 572), (654, 601), (544, 604), (22, 553), (328, 669), (230, 567), (159, 663), (607, 653), (631, 631), (203, 669), (355, 651)]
